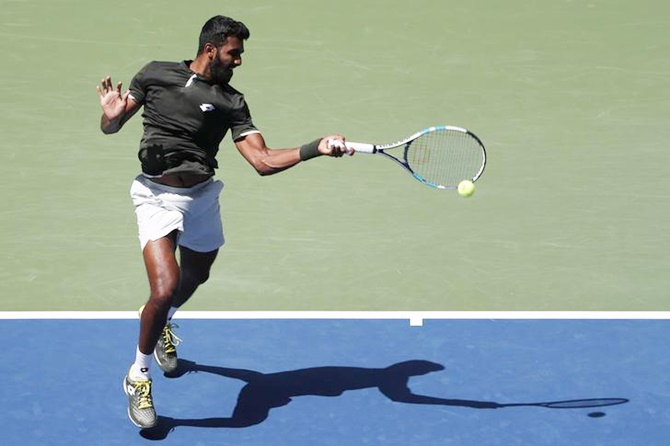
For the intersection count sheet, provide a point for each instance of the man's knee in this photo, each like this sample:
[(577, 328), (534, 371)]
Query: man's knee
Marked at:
[(163, 288), (162, 295), (195, 276)]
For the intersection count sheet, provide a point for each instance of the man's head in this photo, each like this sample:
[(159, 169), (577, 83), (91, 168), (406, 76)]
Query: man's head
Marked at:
[(415, 368), (221, 44)]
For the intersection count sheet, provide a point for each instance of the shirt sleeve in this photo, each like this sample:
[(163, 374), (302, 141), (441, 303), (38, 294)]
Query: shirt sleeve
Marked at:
[(138, 86), (241, 123)]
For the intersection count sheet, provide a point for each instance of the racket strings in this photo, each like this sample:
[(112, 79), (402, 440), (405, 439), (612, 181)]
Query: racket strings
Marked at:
[(446, 157), (593, 402)]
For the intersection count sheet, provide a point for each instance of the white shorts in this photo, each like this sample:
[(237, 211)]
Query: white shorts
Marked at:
[(193, 211)]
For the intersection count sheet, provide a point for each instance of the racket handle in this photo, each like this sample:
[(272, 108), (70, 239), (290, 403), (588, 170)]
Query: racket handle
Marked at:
[(361, 147)]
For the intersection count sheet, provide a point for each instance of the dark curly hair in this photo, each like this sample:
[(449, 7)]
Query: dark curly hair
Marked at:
[(217, 30)]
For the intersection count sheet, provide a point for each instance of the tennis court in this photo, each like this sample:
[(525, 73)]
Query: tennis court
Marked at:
[(570, 215), (318, 381)]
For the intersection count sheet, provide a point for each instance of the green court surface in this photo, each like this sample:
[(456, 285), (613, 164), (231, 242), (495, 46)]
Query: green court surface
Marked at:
[(570, 97)]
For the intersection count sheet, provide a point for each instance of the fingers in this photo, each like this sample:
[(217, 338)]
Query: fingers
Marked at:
[(336, 146), (101, 89), (106, 86)]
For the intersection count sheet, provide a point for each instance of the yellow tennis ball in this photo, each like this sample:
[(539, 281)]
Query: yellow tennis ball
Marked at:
[(466, 188)]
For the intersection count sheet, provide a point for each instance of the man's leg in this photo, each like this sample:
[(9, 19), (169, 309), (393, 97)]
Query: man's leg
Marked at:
[(163, 275), (194, 271), (195, 267)]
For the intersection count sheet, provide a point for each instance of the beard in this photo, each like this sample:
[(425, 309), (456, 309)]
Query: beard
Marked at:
[(221, 74)]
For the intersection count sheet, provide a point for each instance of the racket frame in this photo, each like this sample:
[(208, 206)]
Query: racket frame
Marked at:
[(381, 149), (573, 404)]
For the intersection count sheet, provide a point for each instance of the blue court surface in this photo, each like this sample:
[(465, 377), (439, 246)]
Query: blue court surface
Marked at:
[(342, 382)]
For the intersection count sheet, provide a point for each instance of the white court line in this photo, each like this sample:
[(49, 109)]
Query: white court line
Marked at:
[(415, 318)]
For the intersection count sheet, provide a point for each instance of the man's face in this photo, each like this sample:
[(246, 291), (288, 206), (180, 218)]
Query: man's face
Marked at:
[(226, 58)]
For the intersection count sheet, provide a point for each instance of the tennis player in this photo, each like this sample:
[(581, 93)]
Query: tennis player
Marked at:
[(189, 107)]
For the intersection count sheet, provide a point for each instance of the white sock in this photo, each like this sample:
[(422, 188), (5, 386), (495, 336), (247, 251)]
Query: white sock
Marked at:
[(140, 370), (171, 312)]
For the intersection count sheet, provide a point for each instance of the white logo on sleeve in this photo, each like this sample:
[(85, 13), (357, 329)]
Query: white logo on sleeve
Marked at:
[(207, 108)]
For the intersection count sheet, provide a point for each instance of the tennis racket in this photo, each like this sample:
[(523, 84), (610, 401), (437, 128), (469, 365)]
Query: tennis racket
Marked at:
[(439, 157), (573, 404)]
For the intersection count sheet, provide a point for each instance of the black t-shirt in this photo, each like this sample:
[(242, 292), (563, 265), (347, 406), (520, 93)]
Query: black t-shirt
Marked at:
[(185, 118)]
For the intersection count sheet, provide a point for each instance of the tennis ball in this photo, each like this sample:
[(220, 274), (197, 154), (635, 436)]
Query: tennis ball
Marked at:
[(466, 188)]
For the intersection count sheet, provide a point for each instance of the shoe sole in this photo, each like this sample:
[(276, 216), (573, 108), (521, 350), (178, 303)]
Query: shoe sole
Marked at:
[(159, 365), (128, 410)]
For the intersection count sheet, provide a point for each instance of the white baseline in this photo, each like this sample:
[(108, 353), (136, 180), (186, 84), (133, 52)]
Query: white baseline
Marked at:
[(415, 318)]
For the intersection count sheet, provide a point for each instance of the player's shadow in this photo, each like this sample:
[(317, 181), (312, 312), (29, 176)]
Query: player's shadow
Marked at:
[(266, 391)]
